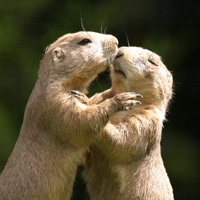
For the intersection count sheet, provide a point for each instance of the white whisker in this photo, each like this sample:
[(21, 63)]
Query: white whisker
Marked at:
[(101, 26), (82, 26)]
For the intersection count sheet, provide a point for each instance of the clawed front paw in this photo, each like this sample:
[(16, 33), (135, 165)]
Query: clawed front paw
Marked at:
[(127, 100), (80, 96)]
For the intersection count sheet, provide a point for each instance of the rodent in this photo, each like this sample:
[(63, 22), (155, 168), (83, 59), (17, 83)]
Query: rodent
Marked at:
[(57, 129), (125, 163)]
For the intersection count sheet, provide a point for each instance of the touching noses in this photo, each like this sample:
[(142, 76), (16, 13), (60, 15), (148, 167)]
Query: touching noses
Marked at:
[(120, 53), (115, 41), (110, 45)]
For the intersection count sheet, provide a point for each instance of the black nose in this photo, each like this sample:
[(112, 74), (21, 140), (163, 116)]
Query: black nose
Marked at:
[(119, 55)]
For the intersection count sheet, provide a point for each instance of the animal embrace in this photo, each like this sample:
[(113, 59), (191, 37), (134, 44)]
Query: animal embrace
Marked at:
[(116, 133)]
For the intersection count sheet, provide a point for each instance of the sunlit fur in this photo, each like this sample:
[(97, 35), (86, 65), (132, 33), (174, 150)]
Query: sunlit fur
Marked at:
[(125, 163), (57, 128)]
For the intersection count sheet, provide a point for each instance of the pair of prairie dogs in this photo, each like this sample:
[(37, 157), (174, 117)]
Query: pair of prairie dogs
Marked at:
[(123, 137)]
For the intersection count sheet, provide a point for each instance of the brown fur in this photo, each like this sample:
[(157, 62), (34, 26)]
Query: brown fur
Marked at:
[(125, 163), (57, 128)]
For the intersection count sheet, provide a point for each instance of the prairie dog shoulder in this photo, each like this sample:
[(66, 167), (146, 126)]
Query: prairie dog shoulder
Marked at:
[(126, 161)]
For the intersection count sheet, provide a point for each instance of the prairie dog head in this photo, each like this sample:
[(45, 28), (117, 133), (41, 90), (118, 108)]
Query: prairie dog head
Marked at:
[(142, 71), (77, 58)]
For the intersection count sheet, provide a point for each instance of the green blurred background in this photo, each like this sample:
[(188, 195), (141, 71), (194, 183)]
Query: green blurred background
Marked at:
[(170, 28)]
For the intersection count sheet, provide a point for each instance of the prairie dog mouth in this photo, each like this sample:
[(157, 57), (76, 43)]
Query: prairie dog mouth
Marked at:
[(110, 60), (118, 69)]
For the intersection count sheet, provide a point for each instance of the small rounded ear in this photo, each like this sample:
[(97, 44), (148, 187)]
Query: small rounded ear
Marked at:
[(58, 54)]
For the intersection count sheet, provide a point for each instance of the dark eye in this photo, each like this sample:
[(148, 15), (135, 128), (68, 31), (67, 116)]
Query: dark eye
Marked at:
[(153, 63), (85, 41)]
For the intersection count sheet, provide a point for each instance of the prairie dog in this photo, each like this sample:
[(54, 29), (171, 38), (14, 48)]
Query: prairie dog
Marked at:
[(57, 128), (126, 163)]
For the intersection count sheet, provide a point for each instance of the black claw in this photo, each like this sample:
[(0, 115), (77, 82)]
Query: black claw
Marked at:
[(73, 91), (76, 95), (139, 95), (137, 102)]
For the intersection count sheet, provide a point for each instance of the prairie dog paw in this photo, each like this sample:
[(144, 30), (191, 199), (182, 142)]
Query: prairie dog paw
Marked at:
[(127, 100), (80, 96)]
